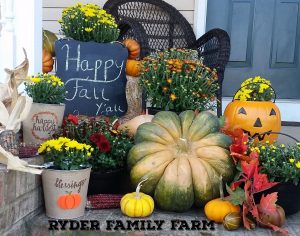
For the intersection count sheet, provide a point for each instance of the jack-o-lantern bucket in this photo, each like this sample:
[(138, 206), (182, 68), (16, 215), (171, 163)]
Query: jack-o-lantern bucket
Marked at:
[(257, 118)]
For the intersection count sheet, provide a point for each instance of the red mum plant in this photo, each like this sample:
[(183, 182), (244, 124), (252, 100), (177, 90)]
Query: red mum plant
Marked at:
[(248, 183), (110, 145)]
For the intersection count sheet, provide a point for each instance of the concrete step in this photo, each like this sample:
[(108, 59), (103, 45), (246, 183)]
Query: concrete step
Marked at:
[(111, 221)]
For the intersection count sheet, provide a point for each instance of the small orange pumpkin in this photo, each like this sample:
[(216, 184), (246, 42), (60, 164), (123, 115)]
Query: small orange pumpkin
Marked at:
[(133, 47), (133, 68), (69, 201), (48, 61), (254, 117), (218, 208)]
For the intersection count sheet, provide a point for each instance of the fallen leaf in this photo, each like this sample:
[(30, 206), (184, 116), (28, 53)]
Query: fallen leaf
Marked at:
[(245, 219), (267, 203), (249, 168), (237, 196)]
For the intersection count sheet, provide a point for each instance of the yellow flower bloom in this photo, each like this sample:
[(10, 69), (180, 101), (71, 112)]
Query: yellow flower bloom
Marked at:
[(298, 164), (35, 80), (89, 154), (263, 147), (88, 29), (292, 160), (263, 87)]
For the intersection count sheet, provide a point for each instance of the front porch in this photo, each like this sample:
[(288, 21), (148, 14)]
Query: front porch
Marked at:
[(22, 209)]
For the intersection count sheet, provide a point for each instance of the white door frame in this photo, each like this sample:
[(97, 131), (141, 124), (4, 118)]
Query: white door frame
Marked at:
[(200, 17), (21, 28), (290, 108)]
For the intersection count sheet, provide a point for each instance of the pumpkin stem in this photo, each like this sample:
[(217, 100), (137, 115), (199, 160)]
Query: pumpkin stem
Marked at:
[(221, 188), (138, 188), (183, 145)]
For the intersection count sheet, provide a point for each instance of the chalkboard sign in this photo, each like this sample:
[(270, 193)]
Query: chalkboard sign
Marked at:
[(94, 76)]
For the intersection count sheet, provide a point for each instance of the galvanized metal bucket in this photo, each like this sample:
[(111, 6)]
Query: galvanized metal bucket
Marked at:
[(65, 192)]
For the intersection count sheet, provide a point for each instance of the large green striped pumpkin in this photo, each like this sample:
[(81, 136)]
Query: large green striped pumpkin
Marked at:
[(183, 158)]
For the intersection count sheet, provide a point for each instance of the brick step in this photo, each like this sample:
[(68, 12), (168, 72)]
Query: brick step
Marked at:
[(20, 198)]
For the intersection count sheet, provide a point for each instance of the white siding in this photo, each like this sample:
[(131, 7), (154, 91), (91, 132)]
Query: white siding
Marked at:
[(52, 10)]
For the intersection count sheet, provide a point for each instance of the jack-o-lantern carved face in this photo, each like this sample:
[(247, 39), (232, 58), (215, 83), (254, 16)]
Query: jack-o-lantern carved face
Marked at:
[(254, 118)]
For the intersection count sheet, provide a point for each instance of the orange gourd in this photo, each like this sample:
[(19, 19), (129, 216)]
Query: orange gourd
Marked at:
[(69, 201), (48, 61), (217, 209), (133, 47), (254, 117), (133, 68)]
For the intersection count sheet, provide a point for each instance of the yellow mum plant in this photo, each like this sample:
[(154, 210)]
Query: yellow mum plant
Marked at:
[(89, 23), (255, 89), (66, 154), (46, 88), (280, 162)]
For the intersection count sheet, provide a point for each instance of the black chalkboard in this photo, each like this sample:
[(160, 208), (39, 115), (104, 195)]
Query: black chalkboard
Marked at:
[(94, 76)]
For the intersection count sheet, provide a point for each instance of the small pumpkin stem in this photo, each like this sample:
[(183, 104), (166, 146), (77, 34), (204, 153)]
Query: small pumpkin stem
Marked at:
[(221, 188), (138, 188)]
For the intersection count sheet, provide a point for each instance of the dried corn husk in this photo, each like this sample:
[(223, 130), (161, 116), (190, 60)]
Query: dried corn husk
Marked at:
[(19, 113), (15, 163), (15, 77)]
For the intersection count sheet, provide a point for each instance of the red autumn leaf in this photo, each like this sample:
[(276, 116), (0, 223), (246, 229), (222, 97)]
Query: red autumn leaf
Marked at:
[(267, 203), (248, 194), (277, 229), (254, 212), (261, 182), (73, 119), (241, 157), (238, 148), (245, 219), (254, 154), (234, 185), (249, 168)]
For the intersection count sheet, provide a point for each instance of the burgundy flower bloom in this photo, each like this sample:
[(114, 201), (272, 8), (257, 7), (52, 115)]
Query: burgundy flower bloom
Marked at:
[(101, 142), (96, 137), (104, 146)]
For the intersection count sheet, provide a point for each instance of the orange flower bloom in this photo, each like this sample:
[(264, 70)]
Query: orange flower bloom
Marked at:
[(169, 81), (173, 97), (165, 89)]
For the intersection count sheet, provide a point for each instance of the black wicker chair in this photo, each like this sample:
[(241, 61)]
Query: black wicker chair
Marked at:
[(156, 24)]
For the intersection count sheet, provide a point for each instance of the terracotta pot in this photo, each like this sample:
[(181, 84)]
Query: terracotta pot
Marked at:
[(42, 121), (65, 192)]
